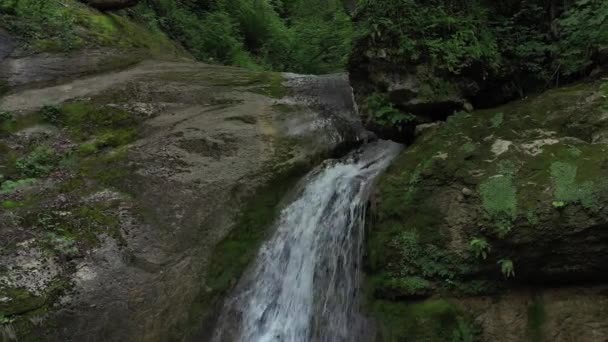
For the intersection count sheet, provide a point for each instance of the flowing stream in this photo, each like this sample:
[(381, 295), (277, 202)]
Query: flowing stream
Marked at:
[(304, 284)]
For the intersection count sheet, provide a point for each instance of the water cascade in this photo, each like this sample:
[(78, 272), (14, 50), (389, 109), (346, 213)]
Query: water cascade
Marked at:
[(305, 282)]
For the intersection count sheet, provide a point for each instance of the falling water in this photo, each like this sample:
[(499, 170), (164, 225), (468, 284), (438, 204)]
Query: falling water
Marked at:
[(304, 284)]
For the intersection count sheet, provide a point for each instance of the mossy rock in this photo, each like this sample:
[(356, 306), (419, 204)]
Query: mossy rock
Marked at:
[(528, 177), (432, 320)]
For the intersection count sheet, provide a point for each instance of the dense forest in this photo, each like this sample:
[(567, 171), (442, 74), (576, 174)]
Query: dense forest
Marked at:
[(532, 42)]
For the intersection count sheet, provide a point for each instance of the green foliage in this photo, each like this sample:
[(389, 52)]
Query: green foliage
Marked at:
[(443, 34), (384, 112), (41, 20), (520, 45), (464, 331), (10, 204), (309, 36), (38, 163), (414, 258), (9, 187), (480, 248), (584, 30), (507, 268)]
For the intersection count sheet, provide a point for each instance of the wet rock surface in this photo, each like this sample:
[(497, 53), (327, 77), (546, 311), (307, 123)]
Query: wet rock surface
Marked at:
[(120, 241)]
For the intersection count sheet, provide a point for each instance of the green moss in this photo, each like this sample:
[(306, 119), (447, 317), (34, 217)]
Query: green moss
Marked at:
[(432, 320), (9, 187), (568, 190), (21, 301), (388, 286), (536, 320), (10, 204), (108, 169), (80, 225), (271, 84), (499, 199), (86, 119)]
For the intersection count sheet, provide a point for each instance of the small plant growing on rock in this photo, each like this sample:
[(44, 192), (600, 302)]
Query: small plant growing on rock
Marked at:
[(507, 268), (6, 117), (51, 114), (38, 163), (558, 204), (384, 112), (480, 248)]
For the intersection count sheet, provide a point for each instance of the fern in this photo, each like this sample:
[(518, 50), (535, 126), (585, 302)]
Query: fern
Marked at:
[(507, 268), (480, 248)]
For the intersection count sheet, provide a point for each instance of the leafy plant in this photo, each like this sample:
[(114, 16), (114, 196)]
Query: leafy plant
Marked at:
[(583, 30), (507, 268), (384, 112), (480, 248), (38, 163)]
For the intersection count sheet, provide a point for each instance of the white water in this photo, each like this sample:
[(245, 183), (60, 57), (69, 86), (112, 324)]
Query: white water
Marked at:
[(304, 284)]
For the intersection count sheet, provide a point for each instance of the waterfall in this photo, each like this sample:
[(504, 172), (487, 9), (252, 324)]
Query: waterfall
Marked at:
[(305, 282)]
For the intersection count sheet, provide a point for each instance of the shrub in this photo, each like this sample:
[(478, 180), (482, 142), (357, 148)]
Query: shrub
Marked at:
[(583, 30)]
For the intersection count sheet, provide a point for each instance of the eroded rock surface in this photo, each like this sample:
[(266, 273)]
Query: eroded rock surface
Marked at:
[(146, 192)]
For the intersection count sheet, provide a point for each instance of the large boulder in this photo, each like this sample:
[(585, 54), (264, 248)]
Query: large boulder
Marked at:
[(109, 5), (496, 202), (131, 201)]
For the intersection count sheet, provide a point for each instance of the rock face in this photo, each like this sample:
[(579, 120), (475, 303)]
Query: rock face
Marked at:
[(7, 45), (133, 200), (17, 72), (108, 5), (504, 205), (415, 89)]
